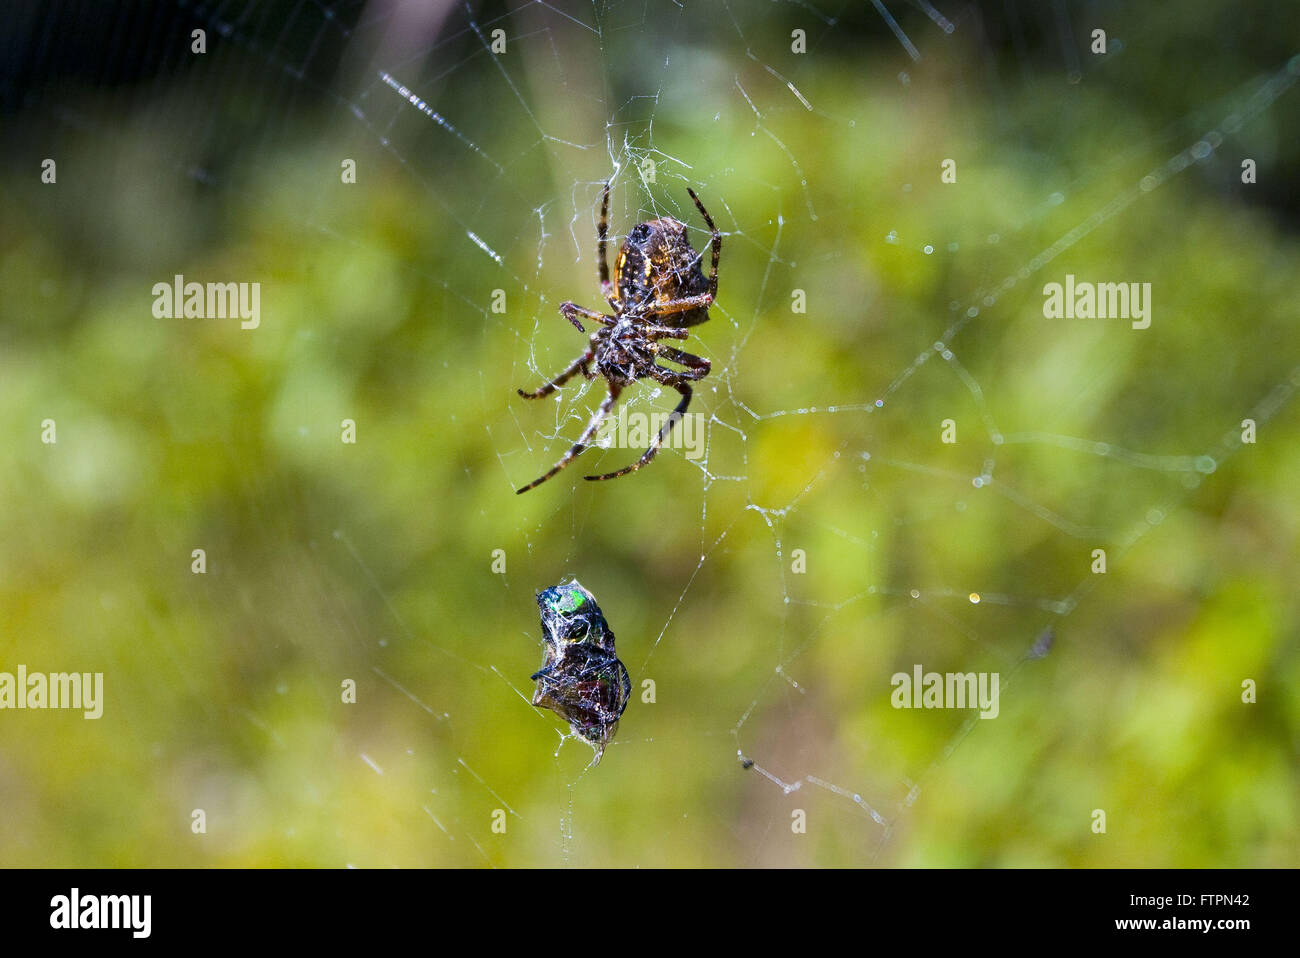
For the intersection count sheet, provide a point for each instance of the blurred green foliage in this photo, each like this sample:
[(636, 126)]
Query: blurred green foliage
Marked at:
[(371, 561)]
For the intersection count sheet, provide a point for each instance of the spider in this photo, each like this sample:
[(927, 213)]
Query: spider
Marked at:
[(658, 275)]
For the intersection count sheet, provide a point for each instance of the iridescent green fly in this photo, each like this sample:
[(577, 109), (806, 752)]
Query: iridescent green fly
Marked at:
[(581, 678)]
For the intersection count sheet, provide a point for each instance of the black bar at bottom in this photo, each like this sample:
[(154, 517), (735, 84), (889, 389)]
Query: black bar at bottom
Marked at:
[(531, 907)]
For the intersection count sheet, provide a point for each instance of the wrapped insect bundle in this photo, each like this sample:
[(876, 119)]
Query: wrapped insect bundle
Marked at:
[(581, 678)]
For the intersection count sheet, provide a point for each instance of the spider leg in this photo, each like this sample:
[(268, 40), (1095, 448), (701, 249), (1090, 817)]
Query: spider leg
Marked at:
[(716, 242), (602, 262), (653, 333), (576, 449), (571, 312), (698, 364), (678, 382), (578, 364), (703, 301), (669, 377)]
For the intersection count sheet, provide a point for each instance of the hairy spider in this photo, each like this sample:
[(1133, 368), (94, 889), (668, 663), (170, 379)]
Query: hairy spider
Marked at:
[(659, 275)]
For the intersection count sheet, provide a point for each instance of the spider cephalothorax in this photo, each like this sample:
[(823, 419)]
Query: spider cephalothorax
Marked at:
[(581, 678), (658, 275)]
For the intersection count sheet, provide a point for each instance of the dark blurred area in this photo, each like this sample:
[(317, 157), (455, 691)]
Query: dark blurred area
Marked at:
[(1191, 55)]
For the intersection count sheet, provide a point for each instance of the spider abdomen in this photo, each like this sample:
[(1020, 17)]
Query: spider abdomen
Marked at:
[(657, 264)]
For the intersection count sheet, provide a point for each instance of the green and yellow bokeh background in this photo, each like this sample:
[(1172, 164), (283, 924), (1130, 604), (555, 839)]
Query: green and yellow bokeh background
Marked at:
[(372, 561)]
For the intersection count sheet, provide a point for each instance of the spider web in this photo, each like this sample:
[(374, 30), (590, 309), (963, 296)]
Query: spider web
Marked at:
[(822, 428)]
